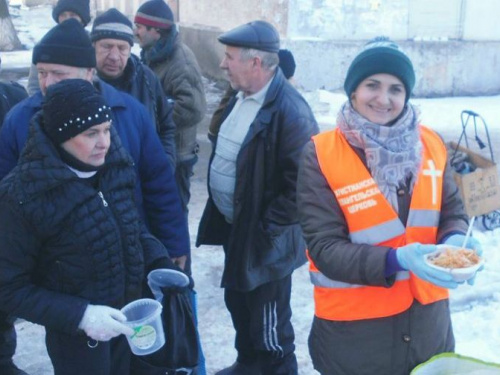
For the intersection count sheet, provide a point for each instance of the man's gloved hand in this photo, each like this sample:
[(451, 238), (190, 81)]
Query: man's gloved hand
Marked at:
[(102, 323), (472, 243), (411, 258)]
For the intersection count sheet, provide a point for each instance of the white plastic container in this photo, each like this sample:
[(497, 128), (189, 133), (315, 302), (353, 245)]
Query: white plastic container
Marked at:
[(164, 277), (458, 274), (144, 317)]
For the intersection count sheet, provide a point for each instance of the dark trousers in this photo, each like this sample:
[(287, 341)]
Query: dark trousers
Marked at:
[(183, 174), (72, 355), (7, 339), (264, 333)]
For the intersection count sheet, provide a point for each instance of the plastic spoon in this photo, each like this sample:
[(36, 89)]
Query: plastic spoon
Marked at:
[(469, 231)]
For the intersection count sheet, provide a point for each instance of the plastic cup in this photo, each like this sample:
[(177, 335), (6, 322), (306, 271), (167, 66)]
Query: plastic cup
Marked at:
[(165, 277), (144, 317)]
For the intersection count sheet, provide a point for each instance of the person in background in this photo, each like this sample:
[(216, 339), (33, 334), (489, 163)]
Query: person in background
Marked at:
[(287, 66), (63, 10), (73, 248), (374, 196), (251, 209), (11, 93), (66, 52), (113, 37), (178, 71)]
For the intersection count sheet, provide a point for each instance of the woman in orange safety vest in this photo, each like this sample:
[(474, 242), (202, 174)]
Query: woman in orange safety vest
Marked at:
[(374, 195)]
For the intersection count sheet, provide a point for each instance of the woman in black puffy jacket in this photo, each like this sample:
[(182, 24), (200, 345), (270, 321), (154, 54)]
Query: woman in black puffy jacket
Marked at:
[(73, 250)]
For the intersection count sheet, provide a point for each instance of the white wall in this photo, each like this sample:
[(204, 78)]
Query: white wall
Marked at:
[(226, 14), (454, 44), (347, 19), (127, 7), (428, 20), (482, 19), (434, 20)]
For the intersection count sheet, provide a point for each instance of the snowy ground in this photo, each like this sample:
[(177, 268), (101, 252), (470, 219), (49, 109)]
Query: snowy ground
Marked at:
[(475, 310)]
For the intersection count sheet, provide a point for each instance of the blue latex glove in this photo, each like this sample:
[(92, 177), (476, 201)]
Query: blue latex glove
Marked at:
[(458, 240), (472, 243), (411, 258)]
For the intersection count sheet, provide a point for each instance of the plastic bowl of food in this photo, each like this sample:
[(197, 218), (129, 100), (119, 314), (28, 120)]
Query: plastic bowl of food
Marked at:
[(461, 263)]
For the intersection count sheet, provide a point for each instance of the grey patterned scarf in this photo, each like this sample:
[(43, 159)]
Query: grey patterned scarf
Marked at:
[(393, 153)]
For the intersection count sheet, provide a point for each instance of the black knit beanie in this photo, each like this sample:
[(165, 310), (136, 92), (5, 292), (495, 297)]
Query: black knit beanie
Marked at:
[(380, 55), (66, 44), (287, 63), (80, 7), (155, 13), (70, 107), (112, 24)]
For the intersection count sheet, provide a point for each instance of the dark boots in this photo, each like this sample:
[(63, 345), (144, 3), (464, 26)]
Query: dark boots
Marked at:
[(238, 368)]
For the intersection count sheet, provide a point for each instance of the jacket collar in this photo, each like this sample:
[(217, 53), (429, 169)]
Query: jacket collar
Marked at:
[(161, 50), (276, 84), (269, 106), (129, 76), (113, 97)]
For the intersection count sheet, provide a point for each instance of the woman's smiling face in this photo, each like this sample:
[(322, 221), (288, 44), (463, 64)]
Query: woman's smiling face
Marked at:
[(379, 98)]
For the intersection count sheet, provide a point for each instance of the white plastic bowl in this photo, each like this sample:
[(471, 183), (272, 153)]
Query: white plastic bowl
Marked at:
[(458, 274)]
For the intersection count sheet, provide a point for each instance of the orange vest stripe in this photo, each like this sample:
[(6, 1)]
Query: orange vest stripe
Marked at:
[(371, 219)]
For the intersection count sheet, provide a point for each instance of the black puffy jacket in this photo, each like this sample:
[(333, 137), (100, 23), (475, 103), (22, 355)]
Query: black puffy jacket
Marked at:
[(63, 242), (265, 242)]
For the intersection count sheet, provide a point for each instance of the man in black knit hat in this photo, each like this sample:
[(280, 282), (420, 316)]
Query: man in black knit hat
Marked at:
[(66, 52), (113, 37), (63, 10), (78, 9)]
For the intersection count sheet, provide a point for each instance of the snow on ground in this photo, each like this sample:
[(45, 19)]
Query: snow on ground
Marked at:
[(475, 310)]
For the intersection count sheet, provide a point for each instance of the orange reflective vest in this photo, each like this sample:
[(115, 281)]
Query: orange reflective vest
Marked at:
[(372, 220)]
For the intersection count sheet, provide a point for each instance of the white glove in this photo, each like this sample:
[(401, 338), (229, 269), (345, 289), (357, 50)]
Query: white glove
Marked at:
[(102, 323)]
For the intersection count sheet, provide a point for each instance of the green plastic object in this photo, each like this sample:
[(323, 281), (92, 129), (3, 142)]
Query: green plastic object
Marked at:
[(456, 364)]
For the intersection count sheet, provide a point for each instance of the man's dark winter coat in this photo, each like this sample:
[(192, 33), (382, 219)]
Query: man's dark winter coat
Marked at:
[(264, 243), (180, 76)]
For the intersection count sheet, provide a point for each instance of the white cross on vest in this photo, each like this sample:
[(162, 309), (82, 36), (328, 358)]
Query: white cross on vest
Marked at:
[(433, 173)]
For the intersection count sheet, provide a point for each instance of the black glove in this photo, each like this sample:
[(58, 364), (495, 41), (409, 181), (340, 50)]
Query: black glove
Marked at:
[(164, 262)]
